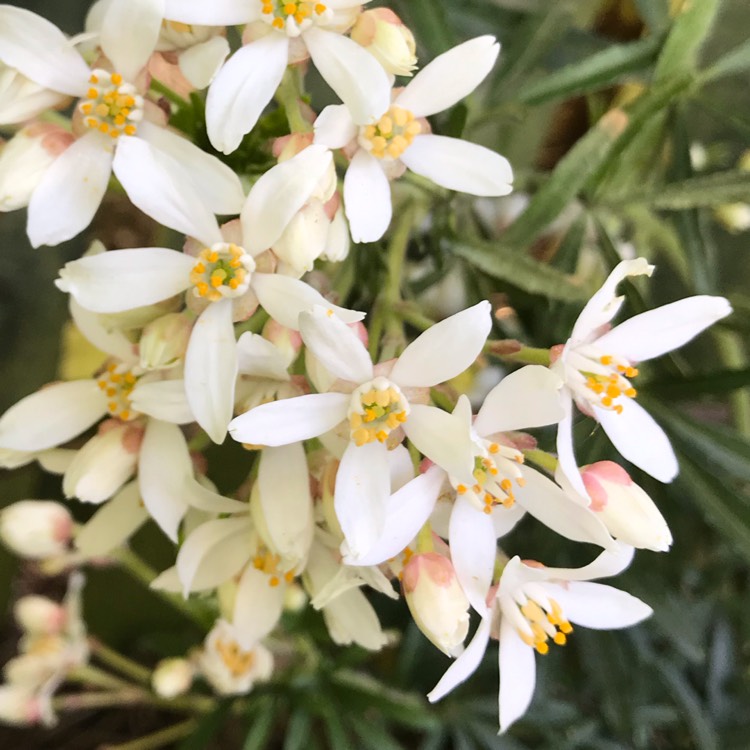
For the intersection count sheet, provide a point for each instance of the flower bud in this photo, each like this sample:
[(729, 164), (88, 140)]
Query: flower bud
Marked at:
[(286, 340), (338, 243), (626, 510), (172, 677), (735, 217), (436, 600), (39, 615), (304, 239), (164, 341), (295, 598), (36, 528), (18, 706), (25, 158), (383, 34), (22, 99)]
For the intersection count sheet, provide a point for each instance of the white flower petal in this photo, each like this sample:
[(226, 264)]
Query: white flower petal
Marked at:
[(609, 563), (113, 524), (529, 397), (459, 165), (655, 332), (69, 193), (259, 358), (334, 126), (445, 350), (565, 450), (121, 280), (257, 607), (603, 306), (201, 62), (211, 369), (284, 298), (443, 438), (163, 399), (401, 467), (216, 13), (130, 30), (216, 185), (639, 439), (242, 89), (406, 512), (38, 49), (159, 185), (517, 675), (465, 665), (290, 420), (358, 79), (167, 580), (336, 345), (367, 198), (594, 605), (52, 416), (449, 77), (279, 194), (114, 342), (213, 553), (361, 495), (504, 520), (201, 495), (473, 551)]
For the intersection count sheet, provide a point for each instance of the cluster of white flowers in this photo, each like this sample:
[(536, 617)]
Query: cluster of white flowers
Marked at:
[(334, 500)]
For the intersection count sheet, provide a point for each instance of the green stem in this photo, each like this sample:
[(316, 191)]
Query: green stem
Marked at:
[(413, 316), (425, 542), (527, 355), (83, 701), (167, 93), (88, 675), (120, 663), (157, 739), (288, 95), (543, 459), (732, 353)]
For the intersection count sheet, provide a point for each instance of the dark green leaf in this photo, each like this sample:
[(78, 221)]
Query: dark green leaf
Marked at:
[(265, 714), (207, 729), (298, 730), (723, 381), (737, 60)]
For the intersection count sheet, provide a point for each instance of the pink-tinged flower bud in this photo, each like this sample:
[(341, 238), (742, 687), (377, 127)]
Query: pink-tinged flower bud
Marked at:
[(303, 240), (39, 615), (629, 514), (36, 528), (164, 341), (25, 158), (383, 34), (285, 339), (172, 677), (436, 600), (18, 706)]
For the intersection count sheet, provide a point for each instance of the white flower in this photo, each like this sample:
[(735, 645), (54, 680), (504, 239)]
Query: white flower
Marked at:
[(534, 606), (395, 139), (374, 406), (250, 77), (598, 365)]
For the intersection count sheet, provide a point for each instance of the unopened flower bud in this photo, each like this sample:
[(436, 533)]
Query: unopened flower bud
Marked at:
[(735, 217), (285, 339), (39, 615), (295, 598), (383, 34), (629, 514), (436, 600), (304, 238), (338, 242), (25, 158), (164, 341), (18, 706), (36, 528), (172, 677)]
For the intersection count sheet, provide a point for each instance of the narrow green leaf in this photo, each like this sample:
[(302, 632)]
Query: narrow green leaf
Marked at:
[(372, 736), (655, 13), (208, 727), (601, 69), (260, 731), (737, 60), (298, 730), (518, 269), (722, 381), (428, 21)]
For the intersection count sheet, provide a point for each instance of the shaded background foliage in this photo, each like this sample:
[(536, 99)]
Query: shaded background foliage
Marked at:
[(682, 680)]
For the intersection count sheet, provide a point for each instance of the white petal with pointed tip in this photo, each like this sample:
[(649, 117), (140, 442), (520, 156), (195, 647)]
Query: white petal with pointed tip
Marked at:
[(367, 198), (465, 665), (163, 399), (38, 49), (216, 13), (257, 607), (113, 342), (258, 357), (70, 192), (336, 346), (52, 416), (595, 605), (201, 62), (158, 184), (655, 332), (290, 420), (284, 298), (122, 280), (565, 450), (334, 126), (640, 440), (211, 369), (358, 79), (243, 88), (360, 498), (201, 495), (449, 77), (529, 397), (517, 675), (609, 563), (217, 186), (445, 350), (279, 194)]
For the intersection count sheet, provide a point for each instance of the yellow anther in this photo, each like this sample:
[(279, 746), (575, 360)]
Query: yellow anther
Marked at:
[(566, 627), (506, 485), (400, 116), (355, 420), (130, 130), (618, 408), (382, 398), (289, 576), (494, 448), (92, 93), (606, 401), (125, 414), (116, 78), (487, 509), (277, 23), (199, 268), (541, 648), (613, 391), (382, 436), (202, 288), (631, 393), (560, 639), (273, 581), (476, 489), (290, 9), (104, 128), (112, 406), (606, 360), (93, 79), (361, 436), (234, 283), (213, 256), (320, 9), (461, 489), (385, 125)]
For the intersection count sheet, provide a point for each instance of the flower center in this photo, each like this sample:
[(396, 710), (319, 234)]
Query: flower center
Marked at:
[(222, 270), (538, 619), (111, 106), (294, 16), (495, 470), (117, 382), (268, 563), (606, 378), (391, 135), (376, 409), (237, 661)]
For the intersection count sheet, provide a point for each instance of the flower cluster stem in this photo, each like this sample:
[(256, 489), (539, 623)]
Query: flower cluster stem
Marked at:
[(289, 95), (120, 662), (157, 739), (542, 459)]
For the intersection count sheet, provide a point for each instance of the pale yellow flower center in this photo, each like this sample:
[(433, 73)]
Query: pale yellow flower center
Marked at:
[(494, 475), (236, 660), (268, 563), (615, 384), (223, 270), (391, 135), (376, 409), (279, 13), (117, 382), (546, 623), (111, 106)]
